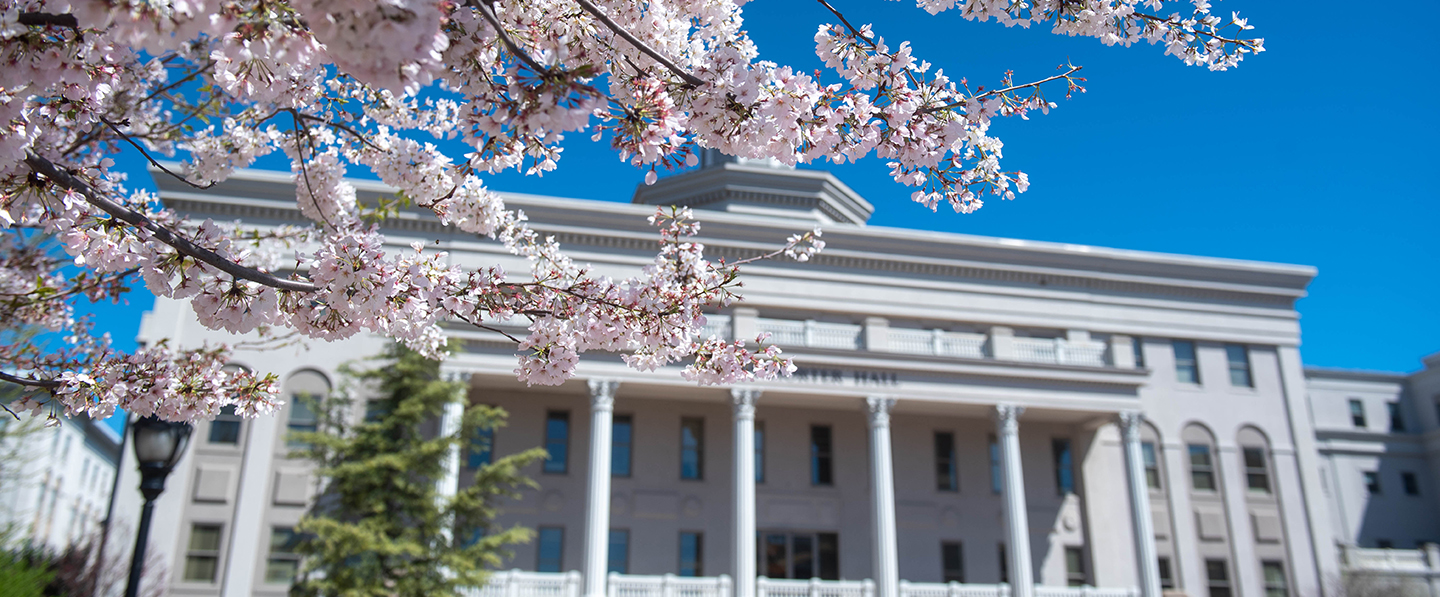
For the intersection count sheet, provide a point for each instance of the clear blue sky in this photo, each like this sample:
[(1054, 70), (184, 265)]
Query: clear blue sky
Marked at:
[(1319, 151)]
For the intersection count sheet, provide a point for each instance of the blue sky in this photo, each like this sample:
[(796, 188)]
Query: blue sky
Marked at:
[(1319, 151)]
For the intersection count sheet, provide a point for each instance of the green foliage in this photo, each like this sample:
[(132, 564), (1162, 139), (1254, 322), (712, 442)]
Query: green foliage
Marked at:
[(380, 527), (22, 574)]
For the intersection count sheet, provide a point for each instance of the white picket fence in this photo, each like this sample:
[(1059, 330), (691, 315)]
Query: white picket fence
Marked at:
[(668, 585), (781, 587), (519, 583)]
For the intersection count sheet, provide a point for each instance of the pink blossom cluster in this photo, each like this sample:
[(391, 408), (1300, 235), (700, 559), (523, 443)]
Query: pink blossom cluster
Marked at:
[(379, 85)]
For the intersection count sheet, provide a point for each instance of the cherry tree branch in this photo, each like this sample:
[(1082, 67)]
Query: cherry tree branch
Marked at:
[(993, 92), (151, 159), (33, 383), (66, 180), (485, 11), (689, 79), (40, 19)]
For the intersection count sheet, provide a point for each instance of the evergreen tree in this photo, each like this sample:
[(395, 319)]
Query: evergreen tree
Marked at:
[(380, 526)]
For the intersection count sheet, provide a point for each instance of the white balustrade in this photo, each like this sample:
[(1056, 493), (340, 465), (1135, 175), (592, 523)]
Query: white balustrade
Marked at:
[(718, 326), (817, 334), (937, 342), (1044, 591), (779, 587), (668, 585), (951, 589), (519, 583), (1363, 558), (1059, 351)]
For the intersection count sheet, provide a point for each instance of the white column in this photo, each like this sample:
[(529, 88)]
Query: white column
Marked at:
[(1017, 520), (597, 501), (744, 553), (1145, 554), (449, 482), (882, 497)]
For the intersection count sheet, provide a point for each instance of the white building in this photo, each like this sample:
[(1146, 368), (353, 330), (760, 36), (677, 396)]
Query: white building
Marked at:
[(55, 483), (967, 409)]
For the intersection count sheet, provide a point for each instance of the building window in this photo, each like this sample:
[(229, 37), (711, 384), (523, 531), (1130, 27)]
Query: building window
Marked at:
[(1075, 567), (994, 465), (225, 429), (619, 555), (202, 554), (821, 456), (1411, 483), (302, 419), (692, 553), (376, 410), (482, 443), (799, 555), (759, 451), (1275, 585), (1372, 482), (1217, 576), (1257, 476), (692, 448), (1064, 471), (1397, 421), (946, 478), (551, 544), (1239, 359), (1004, 563), (1138, 344), (1202, 471), (1357, 413), (952, 561), (1152, 464), (1384, 544), (622, 441), (1167, 578), (557, 442), (1186, 369), (284, 562)]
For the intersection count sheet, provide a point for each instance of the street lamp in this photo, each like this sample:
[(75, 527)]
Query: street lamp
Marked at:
[(158, 446)]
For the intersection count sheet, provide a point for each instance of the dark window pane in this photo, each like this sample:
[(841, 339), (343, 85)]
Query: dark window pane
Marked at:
[(1064, 471), (1217, 576), (994, 465), (619, 552), (621, 441), (1397, 422), (557, 442), (1075, 567), (692, 553), (829, 555), (952, 561), (946, 478), (803, 562), (759, 452), (1238, 358), (1357, 413), (1257, 475), (551, 542), (1202, 473), (481, 444), (777, 555), (1411, 483), (1186, 370), (692, 448), (1139, 345), (225, 429), (1275, 581), (1004, 564), (302, 418), (1372, 482), (821, 472), (1167, 578), (1152, 465)]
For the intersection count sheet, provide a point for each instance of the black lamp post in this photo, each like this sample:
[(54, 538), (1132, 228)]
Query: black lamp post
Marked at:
[(158, 446)]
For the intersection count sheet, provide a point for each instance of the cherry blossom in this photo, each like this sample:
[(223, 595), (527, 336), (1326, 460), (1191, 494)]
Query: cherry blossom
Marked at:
[(339, 86)]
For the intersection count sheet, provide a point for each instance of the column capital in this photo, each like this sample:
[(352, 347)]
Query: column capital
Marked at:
[(1007, 417), (744, 400), (878, 410), (602, 393), (1130, 422)]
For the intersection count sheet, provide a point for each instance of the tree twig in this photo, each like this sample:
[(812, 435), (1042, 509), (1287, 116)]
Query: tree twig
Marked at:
[(505, 38), (40, 19), (993, 92), (150, 159), (33, 383), (689, 79), (185, 246)]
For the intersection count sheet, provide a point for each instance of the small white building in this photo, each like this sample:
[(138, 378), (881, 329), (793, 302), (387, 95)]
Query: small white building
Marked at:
[(1012, 415), (55, 483)]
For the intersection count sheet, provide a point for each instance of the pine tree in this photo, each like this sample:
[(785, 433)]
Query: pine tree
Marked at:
[(380, 526)]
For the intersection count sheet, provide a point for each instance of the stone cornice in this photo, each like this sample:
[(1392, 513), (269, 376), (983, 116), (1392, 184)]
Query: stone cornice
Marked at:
[(267, 197)]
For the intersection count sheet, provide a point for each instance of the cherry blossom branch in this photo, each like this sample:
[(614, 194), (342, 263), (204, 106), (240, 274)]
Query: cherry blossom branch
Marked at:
[(47, 168), (26, 381), (486, 12), (151, 159), (40, 19), (690, 79), (993, 92), (1249, 43)]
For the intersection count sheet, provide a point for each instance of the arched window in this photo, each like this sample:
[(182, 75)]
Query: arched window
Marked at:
[(1200, 453), (1255, 455), (303, 392)]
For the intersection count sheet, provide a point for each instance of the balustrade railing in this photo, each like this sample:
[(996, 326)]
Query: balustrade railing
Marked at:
[(951, 589), (937, 342), (718, 326), (668, 585), (519, 583), (816, 334), (780, 587), (1059, 351)]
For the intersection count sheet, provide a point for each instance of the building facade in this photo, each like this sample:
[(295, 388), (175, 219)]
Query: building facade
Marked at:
[(966, 409), (55, 482)]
